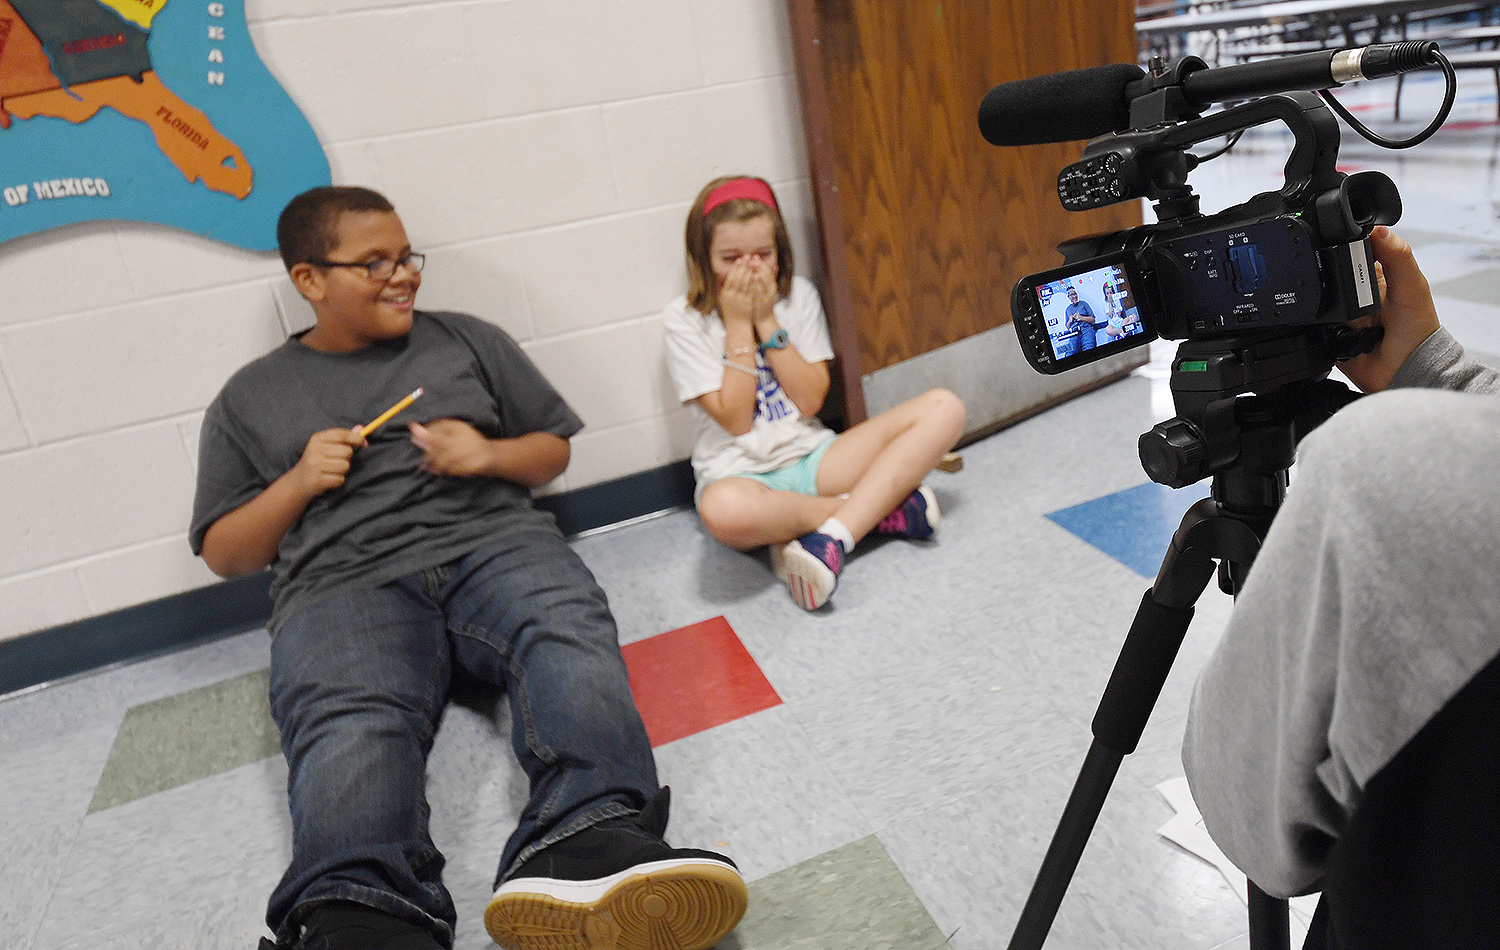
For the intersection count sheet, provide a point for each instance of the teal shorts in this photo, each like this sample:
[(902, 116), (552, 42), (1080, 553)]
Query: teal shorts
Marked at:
[(801, 476)]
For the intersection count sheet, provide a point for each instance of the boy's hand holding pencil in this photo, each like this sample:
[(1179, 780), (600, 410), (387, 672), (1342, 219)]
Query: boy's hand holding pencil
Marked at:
[(325, 462)]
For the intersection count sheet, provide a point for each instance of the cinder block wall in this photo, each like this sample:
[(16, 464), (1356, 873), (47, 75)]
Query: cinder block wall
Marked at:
[(542, 152)]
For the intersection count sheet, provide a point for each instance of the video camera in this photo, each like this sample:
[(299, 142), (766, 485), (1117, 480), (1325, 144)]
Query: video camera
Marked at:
[(1261, 294), (1294, 259)]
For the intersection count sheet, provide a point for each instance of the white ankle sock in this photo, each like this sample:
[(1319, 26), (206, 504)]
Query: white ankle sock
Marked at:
[(835, 529)]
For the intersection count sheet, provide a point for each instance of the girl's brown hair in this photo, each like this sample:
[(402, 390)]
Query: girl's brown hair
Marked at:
[(703, 286)]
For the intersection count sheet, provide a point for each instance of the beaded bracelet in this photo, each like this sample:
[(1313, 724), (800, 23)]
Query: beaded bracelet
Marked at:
[(741, 367)]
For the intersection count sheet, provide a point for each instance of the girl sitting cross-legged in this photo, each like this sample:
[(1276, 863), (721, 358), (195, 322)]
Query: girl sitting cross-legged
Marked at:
[(748, 349)]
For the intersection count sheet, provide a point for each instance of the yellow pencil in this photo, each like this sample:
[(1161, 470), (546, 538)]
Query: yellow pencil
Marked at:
[(385, 417)]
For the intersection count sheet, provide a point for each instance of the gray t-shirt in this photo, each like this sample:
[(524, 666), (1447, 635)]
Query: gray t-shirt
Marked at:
[(389, 518), (1370, 605), (1079, 312)]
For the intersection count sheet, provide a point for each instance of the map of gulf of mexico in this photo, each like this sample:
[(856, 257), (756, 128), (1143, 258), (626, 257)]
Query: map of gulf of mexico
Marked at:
[(146, 110)]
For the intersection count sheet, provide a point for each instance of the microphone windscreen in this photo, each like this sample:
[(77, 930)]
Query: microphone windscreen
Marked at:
[(1059, 107)]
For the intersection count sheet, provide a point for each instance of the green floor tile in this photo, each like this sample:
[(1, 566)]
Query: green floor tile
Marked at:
[(852, 898), (194, 735)]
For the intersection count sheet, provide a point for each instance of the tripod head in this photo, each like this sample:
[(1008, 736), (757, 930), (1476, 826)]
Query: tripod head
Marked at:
[(1243, 405), (1226, 389)]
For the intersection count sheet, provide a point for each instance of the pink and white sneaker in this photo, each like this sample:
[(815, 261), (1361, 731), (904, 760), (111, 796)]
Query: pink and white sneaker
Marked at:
[(917, 517), (810, 568)]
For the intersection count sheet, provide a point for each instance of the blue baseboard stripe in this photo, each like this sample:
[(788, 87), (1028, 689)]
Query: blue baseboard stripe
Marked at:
[(623, 499), (220, 610), (182, 620)]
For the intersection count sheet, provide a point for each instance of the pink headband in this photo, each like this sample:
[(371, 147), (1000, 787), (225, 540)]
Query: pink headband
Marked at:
[(752, 188)]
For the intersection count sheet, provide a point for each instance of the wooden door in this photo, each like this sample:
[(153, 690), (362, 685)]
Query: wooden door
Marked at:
[(925, 226)]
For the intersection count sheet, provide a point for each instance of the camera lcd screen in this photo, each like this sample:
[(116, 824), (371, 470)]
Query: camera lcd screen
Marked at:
[(1089, 310)]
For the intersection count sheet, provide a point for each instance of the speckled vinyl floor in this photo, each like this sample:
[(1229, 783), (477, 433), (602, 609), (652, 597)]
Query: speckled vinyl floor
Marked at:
[(887, 772)]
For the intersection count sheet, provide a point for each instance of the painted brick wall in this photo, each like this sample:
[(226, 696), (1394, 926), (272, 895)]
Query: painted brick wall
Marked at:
[(542, 152)]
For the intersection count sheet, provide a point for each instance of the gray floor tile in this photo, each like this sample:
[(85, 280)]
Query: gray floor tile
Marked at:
[(189, 867), (973, 863), (687, 576), (743, 788), (51, 781), (911, 741), (35, 861), (1474, 325)]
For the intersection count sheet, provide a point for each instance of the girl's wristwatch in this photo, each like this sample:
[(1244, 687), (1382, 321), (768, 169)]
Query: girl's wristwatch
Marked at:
[(777, 341)]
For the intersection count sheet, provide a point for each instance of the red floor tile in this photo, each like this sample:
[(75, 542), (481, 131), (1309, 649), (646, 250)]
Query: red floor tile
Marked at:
[(694, 678)]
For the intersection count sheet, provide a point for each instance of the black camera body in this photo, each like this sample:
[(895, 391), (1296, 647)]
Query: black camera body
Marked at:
[(1282, 262), (1230, 278)]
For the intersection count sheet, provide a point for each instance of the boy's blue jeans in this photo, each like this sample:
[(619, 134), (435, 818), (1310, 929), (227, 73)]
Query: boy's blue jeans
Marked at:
[(357, 685)]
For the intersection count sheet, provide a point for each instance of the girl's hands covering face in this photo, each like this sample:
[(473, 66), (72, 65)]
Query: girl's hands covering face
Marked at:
[(748, 291), (743, 255)]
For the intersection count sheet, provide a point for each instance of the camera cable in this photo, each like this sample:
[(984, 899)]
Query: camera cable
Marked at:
[(1420, 137)]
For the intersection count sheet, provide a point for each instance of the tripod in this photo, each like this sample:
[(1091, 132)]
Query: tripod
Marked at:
[(1247, 443)]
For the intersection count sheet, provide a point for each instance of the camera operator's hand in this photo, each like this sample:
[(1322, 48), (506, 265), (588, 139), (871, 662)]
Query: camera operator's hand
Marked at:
[(1408, 315)]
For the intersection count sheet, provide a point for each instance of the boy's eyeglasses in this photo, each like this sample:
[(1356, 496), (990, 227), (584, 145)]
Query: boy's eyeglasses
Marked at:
[(381, 269)]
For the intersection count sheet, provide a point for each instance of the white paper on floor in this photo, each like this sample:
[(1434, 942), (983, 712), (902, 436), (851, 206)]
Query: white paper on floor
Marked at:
[(1186, 831)]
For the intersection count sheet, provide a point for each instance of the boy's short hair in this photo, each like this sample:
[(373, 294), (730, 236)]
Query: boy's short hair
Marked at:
[(308, 226)]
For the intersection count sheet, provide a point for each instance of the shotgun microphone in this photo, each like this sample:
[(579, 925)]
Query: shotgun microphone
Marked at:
[(1323, 69), (1086, 103), (1059, 107)]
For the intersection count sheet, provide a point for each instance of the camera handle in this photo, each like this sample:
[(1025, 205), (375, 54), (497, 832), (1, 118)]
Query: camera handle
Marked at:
[(1153, 162), (1225, 529)]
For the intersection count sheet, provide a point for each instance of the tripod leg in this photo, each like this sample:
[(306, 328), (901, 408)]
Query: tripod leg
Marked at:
[(1146, 658), (1270, 926), (1073, 830), (1141, 670)]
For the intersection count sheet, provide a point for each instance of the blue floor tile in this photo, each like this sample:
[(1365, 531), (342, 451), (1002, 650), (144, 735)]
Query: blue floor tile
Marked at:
[(1133, 526)]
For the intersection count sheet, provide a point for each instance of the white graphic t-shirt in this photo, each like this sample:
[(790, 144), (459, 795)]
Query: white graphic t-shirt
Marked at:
[(780, 434)]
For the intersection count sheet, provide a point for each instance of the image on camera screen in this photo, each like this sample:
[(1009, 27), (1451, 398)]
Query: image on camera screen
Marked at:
[(1088, 310)]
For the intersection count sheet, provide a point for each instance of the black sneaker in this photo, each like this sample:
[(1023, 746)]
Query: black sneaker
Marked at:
[(618, 886), (345, 925)]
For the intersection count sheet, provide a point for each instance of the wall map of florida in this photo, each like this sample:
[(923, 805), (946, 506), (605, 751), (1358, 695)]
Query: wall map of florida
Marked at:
[(70, 58)]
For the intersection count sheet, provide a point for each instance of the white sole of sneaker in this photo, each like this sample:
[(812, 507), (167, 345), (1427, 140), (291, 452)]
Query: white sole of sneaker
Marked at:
[(681, 904), (778, 560), (809, 579)]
